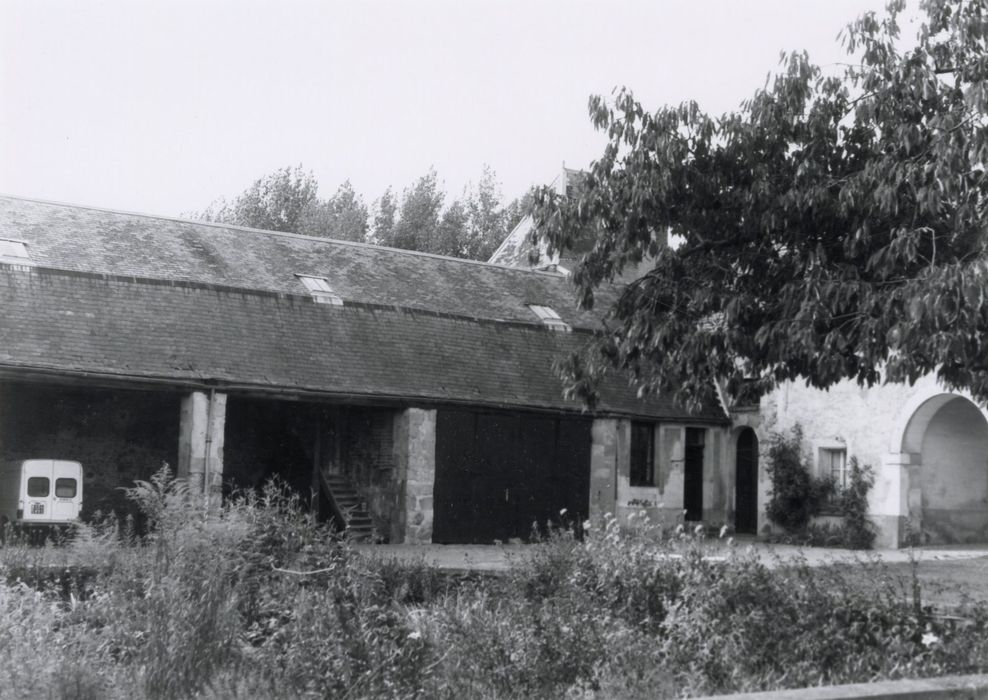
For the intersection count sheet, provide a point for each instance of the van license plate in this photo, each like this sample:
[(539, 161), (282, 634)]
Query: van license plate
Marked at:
[(37, 509)]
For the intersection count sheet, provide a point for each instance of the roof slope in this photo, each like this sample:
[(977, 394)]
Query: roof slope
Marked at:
[(147, 298), (92, 240), (83, 324)]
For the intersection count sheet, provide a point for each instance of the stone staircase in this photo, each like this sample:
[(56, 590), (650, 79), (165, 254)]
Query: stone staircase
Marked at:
[(348, 507)]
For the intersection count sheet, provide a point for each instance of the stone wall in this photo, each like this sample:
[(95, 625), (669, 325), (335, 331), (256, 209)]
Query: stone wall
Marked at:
[(884, 427), (603, 468), (415, 471), (610, 482)]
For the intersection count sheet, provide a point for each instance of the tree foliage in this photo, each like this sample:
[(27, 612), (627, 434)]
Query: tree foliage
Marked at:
[(421, 207), (276, 202), (833, 227), (385, 213), (343, 216), (469, 227)]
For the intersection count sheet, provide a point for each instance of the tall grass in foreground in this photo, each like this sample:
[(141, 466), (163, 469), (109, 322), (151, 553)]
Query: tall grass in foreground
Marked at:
[(256, 600)]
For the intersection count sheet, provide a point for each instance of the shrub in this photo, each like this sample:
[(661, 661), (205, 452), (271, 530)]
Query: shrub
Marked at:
[(859, 531), (258, 600), (796, 496)]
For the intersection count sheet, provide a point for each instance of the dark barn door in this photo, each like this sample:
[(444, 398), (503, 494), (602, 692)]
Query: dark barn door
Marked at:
[(693, 477), (746, 489), (498, 473)]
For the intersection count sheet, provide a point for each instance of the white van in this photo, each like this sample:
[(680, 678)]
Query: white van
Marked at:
[(40, 492)]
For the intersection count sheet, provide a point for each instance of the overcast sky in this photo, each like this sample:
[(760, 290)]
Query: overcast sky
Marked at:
[(163, 106)]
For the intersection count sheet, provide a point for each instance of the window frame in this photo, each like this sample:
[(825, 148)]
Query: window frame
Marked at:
[(15, 251), (30, 494), (826, 468), (823, 469), (75, 487), (550, 317), (642, 474), (319, 289)]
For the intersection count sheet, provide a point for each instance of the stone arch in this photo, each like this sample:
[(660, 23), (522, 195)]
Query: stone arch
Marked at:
[(928, 398), (940, 442)]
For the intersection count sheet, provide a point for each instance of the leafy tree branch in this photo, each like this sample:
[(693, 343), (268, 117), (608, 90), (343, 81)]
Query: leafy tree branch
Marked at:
[(833, 227)]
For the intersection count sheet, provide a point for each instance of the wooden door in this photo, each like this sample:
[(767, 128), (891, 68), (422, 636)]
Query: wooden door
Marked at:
[(693, 474), (746, 483), (498, 472)]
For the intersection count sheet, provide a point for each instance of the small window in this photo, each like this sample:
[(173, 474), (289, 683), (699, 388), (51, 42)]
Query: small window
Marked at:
[(549, 317), (320, 290), (833, 466), (642, 454), (13, 250), (38, 486), (65, 488)]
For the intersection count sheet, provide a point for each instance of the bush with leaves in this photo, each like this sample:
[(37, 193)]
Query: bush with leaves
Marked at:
[(796, 495), (255, 599), (859, 531)]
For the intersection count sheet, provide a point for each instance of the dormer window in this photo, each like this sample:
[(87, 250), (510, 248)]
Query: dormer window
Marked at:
[(13, 251), (549, 317), (320, 290)]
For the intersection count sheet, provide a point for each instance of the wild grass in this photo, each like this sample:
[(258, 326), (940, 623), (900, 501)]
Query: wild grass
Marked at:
[(256, 600)]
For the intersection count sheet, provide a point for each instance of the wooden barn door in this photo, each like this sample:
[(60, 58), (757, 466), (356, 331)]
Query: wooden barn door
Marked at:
[(498, 473)]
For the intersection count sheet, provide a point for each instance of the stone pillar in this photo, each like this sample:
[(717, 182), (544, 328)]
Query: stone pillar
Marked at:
[(415, 470), (603, 468), (200, 440), (895, 503), (672, 459), (715, 495)]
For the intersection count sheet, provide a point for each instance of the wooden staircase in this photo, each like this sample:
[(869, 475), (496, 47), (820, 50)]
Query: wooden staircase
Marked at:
[(347, 508)]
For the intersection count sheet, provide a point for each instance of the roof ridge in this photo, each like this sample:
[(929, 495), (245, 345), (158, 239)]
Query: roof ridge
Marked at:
[(285, 234)]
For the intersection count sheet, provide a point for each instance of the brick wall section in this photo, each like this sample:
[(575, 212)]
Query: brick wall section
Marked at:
[(88, 324)]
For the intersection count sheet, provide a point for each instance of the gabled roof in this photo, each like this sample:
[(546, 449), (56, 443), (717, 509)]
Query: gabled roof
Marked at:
[(149, 299), (85, 239)]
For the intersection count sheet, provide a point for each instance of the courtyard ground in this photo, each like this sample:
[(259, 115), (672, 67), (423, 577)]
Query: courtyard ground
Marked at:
[(946, 573), (477, 557)]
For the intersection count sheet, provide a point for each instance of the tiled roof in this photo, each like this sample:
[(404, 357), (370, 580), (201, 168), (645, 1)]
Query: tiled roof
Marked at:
[(145, 298), (114, 327), (93, 240)]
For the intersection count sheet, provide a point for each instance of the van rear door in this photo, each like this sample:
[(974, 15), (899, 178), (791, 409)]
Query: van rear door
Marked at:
[(66, 490), (36, 490)]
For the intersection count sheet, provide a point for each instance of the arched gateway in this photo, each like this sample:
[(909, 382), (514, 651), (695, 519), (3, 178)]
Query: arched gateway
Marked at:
[(939, 452)]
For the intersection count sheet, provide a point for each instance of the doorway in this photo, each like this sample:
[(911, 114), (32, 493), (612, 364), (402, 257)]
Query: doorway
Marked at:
[(746, 484), (693, 477)]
